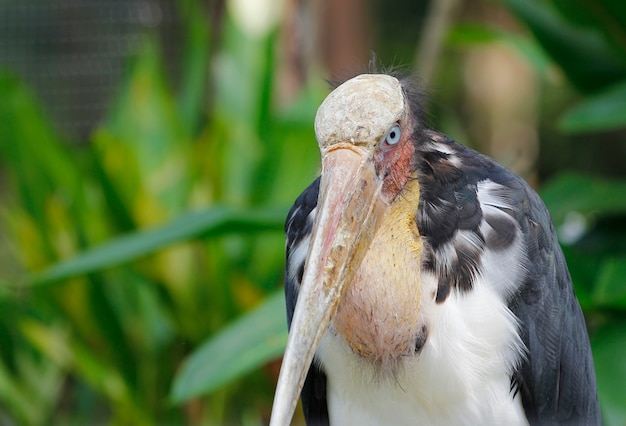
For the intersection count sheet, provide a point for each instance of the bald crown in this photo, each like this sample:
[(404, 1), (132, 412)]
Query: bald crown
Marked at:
[(360, 111)]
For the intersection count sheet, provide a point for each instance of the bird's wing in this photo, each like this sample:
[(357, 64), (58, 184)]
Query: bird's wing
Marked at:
[(461, 190), (556, 379), (298, 230)]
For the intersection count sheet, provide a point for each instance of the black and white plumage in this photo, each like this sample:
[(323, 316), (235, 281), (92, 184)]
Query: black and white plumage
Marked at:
[(467, 316)]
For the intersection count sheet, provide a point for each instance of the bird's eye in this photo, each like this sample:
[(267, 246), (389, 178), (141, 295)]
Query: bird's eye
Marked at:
[(393, 136)]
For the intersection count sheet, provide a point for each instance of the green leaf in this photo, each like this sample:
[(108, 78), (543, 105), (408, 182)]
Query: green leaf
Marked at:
[(466, 34), (582, 53), (30, 147), (39, 169), (610, 286), (605, 111), (244, 346), (143, 113), (59, 346), (586, 195), (142, 147), (216, 221), (16, 399), (609, 357), (606, 16)]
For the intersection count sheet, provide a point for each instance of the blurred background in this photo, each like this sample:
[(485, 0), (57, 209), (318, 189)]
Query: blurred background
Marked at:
[(150, 150)]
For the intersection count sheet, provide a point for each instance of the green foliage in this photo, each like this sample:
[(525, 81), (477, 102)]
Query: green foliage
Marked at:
[(579, 48), (589, 196), (215, 221), (252, 341), (137, 247), (604, 111), (609, 353), (150, 258), (587, 40)]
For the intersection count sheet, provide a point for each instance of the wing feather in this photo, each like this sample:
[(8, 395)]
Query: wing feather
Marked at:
[(556, 379), (298, 229)]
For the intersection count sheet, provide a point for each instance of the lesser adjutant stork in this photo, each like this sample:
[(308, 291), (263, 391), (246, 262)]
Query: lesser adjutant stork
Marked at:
[(424, 281)]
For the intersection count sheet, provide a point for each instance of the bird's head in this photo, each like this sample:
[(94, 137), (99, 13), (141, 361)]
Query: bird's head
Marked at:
[(364, 126), (366, 130)]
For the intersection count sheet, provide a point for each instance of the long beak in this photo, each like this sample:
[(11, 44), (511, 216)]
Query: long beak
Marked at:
[(349, 211)]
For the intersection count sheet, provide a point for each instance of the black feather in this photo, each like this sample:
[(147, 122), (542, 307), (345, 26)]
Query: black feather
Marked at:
[(556, 379), (297, 227)]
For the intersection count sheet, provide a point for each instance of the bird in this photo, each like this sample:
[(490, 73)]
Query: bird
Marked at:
[(424, 282)]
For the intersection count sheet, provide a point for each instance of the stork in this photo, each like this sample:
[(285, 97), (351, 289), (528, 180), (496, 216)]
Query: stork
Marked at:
[(424, 281)]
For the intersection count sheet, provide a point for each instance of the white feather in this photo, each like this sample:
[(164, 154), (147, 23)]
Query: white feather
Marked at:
[(460, 377), (297, 257), (446, 258), (493, 194), (502, 269)]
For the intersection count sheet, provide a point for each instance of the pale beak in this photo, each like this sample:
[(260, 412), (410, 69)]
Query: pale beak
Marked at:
[(349, 210)]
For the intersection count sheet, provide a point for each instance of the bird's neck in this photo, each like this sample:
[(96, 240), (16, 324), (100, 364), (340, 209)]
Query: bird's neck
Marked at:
[(379, 314)]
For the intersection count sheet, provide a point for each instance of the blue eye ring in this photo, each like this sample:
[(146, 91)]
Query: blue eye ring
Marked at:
[(393, 135)]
